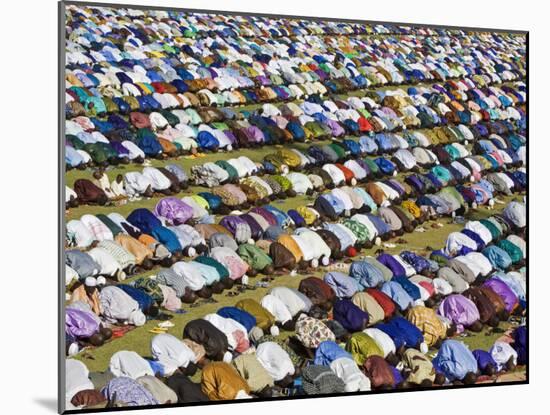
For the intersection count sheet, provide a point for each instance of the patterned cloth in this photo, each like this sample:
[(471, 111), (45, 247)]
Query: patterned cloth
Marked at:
[(312, 332), (128, 392)]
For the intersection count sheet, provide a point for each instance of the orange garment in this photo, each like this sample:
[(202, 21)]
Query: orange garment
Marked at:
[(80, 294), (289, 243), (135, 247)]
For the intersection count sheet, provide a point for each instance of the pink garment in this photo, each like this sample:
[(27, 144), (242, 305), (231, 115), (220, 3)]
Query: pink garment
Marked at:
[(242, 342)]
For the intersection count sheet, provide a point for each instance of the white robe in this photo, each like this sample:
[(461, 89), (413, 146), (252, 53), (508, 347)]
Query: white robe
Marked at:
[(129, 364), (275, 360), (171, 353)]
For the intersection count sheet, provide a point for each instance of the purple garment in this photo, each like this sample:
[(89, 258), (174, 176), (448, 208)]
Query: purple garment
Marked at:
[(351, 317), (231, 223), (460, 310), (120, 149), (255, 227), (389, 261), (254, 134), (174, 210), (419, 263), (229, 134), (342, 285), (501, 288), (129, 392), (336, 128), (80, 324), (484, 359), (266, 214)]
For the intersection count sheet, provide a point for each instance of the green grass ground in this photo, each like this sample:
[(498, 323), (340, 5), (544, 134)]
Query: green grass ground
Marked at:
[(97, 359)]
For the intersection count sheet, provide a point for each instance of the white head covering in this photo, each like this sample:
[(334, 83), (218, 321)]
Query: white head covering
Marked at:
[(275, 360), (137, 318), (129, 364), (347, 370), (101, 281), (171, 352), (383, 340), (90, 282), (76, 378)]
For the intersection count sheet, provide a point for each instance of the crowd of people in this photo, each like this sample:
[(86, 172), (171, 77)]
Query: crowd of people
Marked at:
[(445, 136)]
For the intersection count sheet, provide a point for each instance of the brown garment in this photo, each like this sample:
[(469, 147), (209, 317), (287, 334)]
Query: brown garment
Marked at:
[(331, 240), (484, 305), (87, 192), (379, 372), (89, 397), (318, 291), (281, 256), (221, 381), (495, 299), (376, 193), (290, 244)]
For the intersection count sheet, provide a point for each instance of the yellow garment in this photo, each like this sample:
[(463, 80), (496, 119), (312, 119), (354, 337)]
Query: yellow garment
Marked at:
[(289, 243), (420, 366), (307, 213), (221, 381), (264, 319), (428, 323), (361, 346), (412, 207)]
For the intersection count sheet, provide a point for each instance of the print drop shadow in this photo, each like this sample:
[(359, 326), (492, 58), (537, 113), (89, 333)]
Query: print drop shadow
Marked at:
[(48, 403)]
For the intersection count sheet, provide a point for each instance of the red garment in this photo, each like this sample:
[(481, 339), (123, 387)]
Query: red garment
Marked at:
[(348, 174), (385, 302), (364, 125)]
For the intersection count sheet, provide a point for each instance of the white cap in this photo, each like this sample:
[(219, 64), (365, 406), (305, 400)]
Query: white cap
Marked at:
[(274, 330), (251, 241), (137, 318), (394, 173), (227, 357), (314, 262), (284, 168), (353, 182), (324, 261), (491, 202), (73, 349), (101, 281), (90, 282), (424, 347), (244, 279), (377, 241), (191, 251), (229, 147)]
